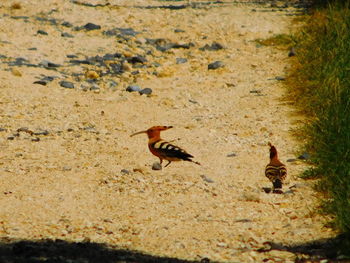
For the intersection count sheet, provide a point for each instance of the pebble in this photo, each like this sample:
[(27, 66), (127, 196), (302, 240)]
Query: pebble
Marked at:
[(125, 171), (304, 156), (109, 56), (19, 62), (255, 91), (156, 166), (41, 132), (66, 168), (280, 78), (181, 60), (44, 81), (137, 59), (91, 26), (66, 84), (177, 30), (67, 24), (16, 72), (231, 155), (112, 84), (42, 32), (94, 87), (36, 139), (291, 160), (132, 88), (66, 35), (146, 91), (91, 74), (206, 179), (213, 47), (48, 64), (216, 65), (2, 129), (128, 31)]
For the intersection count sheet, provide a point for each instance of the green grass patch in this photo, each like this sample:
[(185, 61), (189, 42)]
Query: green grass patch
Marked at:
[(320, 85), (283, 40)]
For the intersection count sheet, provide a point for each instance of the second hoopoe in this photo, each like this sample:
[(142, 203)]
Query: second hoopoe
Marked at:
[(275, 171), (162, 149)]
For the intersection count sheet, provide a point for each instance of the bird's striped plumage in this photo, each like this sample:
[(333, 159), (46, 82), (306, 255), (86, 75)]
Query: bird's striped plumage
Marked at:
[(163, 149), (275, 171)]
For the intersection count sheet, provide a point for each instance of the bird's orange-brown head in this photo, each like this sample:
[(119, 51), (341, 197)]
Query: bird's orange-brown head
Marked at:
[(273, 151), (153, 132)]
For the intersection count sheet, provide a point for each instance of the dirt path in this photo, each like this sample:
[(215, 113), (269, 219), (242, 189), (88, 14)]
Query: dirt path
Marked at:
[(75, 174)]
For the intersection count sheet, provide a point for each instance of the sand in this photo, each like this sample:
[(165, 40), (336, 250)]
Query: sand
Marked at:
[(69, 184)]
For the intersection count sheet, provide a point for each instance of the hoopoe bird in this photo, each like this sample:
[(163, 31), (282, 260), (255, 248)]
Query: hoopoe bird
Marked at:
[(162, 149), (275, 171)]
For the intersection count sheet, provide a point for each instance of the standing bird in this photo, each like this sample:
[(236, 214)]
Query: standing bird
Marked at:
[(163, 149), (275, 171)]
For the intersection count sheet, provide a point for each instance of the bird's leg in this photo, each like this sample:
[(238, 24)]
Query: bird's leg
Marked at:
[(160, 161), (277, 187), (167, 164)]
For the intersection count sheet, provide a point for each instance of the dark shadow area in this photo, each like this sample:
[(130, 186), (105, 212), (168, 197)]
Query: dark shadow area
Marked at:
[(57, 251), (334, 250)]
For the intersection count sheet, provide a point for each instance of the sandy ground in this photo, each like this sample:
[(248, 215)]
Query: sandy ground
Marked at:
[(69, 184)]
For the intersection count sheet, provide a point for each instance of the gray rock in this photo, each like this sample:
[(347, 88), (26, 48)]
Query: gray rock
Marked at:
[(40, 82), (117, 68), (91, 26), (137, 59), (156, 166), (18, 62), (113, 56), (2, 129), (67, 24), (66, 168), (42, 32), (66, 35), (231, 155), (177, 30), (125, 171), (48, 64), (112, 84), (255, 91), (291, 160), (216, 65), (66, 84), (41, 132), (36, 139), (128, 31), (132, 88), (213, 47), (181, 60), (146, 91), (280, 78), (94, 87), (304, 156)]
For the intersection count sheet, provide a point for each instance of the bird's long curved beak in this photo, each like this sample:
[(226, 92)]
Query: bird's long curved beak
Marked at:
[(138, 133)]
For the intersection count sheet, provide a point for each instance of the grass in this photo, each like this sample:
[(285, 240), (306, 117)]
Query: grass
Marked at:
[(320, 84), (277, 40)]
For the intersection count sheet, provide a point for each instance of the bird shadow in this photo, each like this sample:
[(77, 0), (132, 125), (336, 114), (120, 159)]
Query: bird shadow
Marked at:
[(28, 251), (333, 250)]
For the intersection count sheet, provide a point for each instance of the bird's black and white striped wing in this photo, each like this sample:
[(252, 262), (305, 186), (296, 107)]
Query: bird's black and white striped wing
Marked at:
[(169, 151)]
